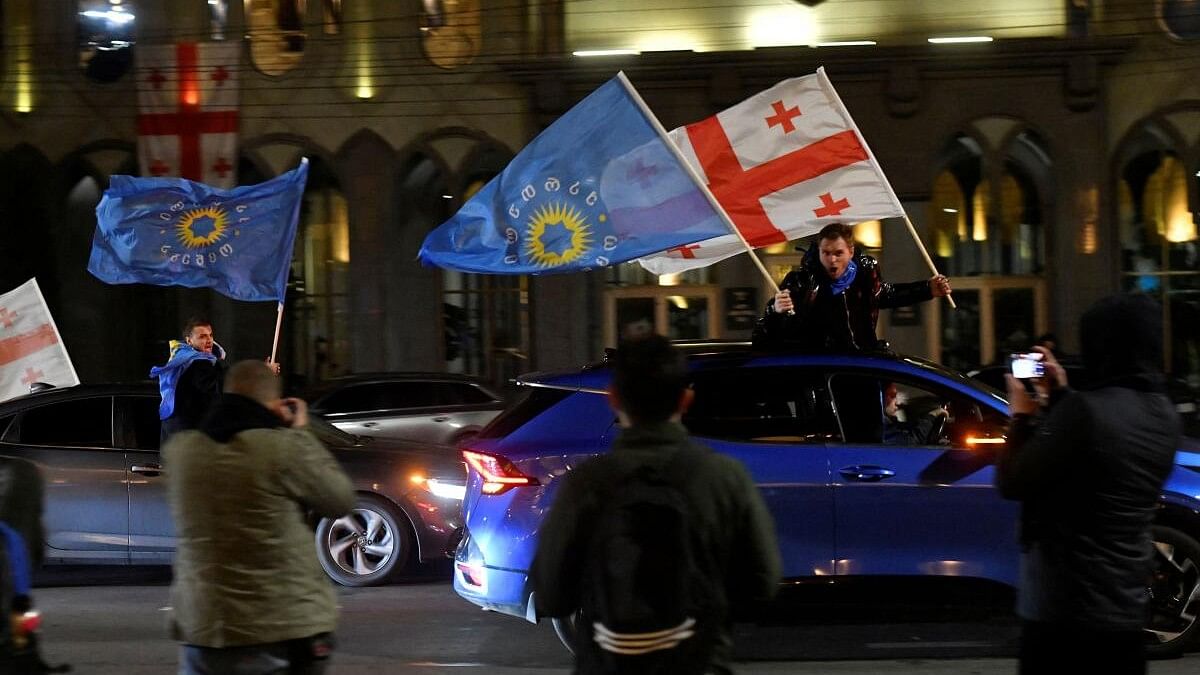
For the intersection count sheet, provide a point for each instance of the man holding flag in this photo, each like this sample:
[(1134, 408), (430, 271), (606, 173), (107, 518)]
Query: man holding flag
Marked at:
[(831, 303), (177, 232)]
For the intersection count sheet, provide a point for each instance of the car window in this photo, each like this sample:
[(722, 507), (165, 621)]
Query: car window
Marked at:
[(4, 422), (769, 405), (84, 422), (396, 395), (142, 426), (354, 398), (460, 393), (532, 402), (881, 409)]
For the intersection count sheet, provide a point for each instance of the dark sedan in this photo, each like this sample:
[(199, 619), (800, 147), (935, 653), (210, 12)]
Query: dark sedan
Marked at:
[(97, 449), (436, 408)]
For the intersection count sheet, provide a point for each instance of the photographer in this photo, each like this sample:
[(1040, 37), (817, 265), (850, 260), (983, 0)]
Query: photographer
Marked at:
[(1087, 468)]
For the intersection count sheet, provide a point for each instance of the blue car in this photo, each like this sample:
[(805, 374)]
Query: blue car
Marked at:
[(872, 466)]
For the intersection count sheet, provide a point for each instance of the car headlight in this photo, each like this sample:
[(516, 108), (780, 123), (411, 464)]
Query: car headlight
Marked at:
[(447, 489)]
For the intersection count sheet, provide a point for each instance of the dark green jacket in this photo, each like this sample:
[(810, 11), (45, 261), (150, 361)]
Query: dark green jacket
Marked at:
[(736, 552), (246, 569)]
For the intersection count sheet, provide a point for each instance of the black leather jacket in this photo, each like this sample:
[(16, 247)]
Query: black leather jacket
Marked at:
[(828, 322)]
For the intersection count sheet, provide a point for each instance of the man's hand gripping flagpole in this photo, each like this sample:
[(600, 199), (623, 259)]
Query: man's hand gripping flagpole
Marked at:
[(633, 93)]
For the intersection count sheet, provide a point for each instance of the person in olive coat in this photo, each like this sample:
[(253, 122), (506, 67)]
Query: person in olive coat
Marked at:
[(248, 588)]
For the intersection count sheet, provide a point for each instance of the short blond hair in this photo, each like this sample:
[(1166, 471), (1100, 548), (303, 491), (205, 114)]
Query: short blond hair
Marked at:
[(253, 379)]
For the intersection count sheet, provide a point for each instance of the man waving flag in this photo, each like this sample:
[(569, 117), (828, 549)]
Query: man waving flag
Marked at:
[(783, 164)]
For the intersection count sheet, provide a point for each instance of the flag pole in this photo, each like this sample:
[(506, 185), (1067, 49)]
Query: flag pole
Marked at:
[(833, 96), (278, 325), (696, 178)]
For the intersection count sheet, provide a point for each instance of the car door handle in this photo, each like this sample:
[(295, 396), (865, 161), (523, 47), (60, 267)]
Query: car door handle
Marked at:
[(866, 473), (370, 424), (441, 418), (147, 469)]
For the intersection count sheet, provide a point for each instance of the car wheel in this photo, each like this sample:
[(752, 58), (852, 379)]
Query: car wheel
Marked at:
[(565, 629), (366, 546), (1174, 590)]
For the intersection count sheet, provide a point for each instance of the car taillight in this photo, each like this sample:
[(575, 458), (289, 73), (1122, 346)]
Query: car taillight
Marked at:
[(498, 473)]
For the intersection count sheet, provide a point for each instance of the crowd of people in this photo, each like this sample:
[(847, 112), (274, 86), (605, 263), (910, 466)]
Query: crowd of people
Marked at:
[(654, 544)]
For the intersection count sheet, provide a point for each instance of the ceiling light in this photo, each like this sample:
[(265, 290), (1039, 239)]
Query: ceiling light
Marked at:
[(959, 40), (848, 43), (606, 52), (950, 210)]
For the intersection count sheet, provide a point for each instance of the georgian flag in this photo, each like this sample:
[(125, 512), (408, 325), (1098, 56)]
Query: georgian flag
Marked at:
[(783, 164), (188, 111), (31, 349)]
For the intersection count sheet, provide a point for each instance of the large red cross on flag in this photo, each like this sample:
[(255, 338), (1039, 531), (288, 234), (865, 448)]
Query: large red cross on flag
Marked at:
[(188, 111), (783, 164), (31, 349)]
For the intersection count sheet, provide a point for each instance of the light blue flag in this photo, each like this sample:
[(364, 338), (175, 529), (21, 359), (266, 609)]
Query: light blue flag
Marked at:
[(598, 187), (177, 232)]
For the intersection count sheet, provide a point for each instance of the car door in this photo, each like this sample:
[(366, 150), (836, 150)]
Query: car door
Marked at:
[(463, 408), (151, 530), (381, 409), (912, 495), (776, 422), (86, 500)]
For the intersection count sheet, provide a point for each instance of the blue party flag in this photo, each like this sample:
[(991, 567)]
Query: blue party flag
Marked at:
[(177, 232), (600, 186)]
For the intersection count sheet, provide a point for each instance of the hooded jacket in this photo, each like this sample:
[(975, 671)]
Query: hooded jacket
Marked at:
[(246, 569), (1088, 473), (824, 321)]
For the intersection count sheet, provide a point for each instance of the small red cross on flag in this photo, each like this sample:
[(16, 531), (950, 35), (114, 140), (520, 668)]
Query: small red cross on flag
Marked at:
[(7, 318), (684, 251), (775, 186), (188, 110)]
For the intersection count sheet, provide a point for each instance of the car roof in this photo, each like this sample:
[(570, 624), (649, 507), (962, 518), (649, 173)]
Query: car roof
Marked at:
[(326, 387), (147, 388), (702, 354)]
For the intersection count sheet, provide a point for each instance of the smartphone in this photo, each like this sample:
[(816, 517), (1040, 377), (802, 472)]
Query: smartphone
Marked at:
[(1028, 365)]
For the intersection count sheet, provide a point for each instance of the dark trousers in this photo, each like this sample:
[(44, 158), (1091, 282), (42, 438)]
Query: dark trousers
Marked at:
[(1053, 649), (307, 656)]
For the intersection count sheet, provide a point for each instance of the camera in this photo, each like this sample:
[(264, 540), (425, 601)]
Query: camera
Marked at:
[(1028, 365)]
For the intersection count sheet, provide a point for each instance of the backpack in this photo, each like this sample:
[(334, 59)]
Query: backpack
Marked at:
[(639, 600)]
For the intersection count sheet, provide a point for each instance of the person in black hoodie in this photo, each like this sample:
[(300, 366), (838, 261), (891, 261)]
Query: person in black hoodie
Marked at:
[(832, 301), (1088, 467)]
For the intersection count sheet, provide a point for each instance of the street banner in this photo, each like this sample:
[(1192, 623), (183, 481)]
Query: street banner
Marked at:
[(188, 111), (176, 232), (783, 164), (31, 350), (600, 186)]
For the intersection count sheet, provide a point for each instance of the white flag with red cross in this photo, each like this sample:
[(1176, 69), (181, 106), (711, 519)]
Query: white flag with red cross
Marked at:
[(188, 111), (31, 349), (782, 164)]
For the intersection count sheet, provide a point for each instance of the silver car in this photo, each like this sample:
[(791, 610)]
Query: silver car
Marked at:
[(429, 407)]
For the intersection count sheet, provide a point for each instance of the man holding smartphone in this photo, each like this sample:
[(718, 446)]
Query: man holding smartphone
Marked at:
[(1087, 468)]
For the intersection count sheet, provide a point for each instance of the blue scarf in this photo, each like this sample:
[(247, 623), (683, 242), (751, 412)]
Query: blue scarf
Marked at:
[(182, 356), (843, 282)]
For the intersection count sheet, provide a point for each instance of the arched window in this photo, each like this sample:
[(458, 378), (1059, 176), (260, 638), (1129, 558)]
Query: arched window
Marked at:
[(1160, 249), (320, 280), (987, 231), (275, 29), (105, 35), (218, 18)]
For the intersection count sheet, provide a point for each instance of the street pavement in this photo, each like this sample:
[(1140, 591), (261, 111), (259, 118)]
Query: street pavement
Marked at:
[(110, 620)]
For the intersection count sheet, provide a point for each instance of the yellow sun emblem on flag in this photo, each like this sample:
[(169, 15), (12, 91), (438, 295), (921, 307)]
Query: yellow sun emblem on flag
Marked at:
[(201, 227), (557, 234)]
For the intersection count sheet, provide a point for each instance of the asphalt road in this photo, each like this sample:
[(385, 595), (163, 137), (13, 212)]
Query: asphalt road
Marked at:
[(111, 620)]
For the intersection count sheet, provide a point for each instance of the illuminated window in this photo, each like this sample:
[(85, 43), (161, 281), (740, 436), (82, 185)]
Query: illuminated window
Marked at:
[(218, 18), (1180, 18), (105, 35), (275, 29), (1160, 249), (331, 16), (320, 280)]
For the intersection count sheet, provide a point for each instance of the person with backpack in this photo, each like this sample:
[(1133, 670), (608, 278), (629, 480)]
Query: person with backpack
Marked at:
[(648, 546)]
